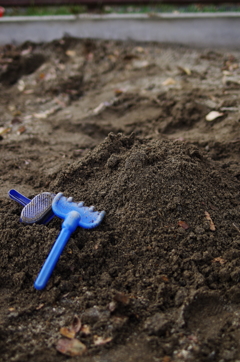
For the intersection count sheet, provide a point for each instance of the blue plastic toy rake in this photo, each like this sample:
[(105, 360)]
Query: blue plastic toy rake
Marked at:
[(74, 215)]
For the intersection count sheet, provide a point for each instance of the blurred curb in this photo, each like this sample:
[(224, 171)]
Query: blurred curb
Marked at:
[(192, 29)]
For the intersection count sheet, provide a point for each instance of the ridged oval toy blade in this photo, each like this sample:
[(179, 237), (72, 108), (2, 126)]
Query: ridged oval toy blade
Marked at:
[(40, 207)]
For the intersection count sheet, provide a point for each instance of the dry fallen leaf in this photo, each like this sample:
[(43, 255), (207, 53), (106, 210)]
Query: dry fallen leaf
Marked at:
[(4, 130), (17, 113), (213, 115), (164, 278), (42, 75), (166, 359), (46, 113), (73, 329), (21, 130), (139, 49), (99, 108), (85, 330), (40, 115), (26, 51), (71, 53), (185, 70), (71, 347), (169, 81), (219, 260), (118, 91), (61, 66), (98, 341), (121, 298), (208, 217), (67, 332), (183, 224), (28, 91), (139, 64)]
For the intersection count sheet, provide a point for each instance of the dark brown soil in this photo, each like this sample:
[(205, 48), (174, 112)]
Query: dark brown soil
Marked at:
[(122, 126)]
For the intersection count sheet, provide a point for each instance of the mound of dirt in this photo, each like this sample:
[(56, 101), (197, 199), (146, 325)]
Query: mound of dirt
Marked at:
[(163, 263), (168, 215)]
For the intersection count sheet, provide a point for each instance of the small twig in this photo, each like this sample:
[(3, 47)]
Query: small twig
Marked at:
[(236, 227)]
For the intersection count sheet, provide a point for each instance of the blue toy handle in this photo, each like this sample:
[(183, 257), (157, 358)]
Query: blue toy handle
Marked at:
[(52, 259), (16, 196), (68, 227)]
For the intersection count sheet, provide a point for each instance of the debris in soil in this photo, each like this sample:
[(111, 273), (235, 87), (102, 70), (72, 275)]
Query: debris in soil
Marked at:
[(98, 341), (213, 115), (211, 223), (159, 278), (71, 347), (73, 329), (183, 224), (21, 65)]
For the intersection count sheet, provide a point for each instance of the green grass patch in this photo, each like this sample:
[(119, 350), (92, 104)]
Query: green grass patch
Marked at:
[(126, 9), (45, 10)]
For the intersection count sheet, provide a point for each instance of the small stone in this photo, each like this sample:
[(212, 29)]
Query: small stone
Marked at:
[(156, 324)]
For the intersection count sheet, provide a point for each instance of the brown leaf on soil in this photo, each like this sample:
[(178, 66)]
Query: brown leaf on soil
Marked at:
[(86, 330), (73, 329), (42, 75), (71, 347), (98, 340), (219, 260), (67, 332), (164, 278), (166, 359), (121, 298), (183, 224), (208, 217), (21, 130), (118, 91)]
